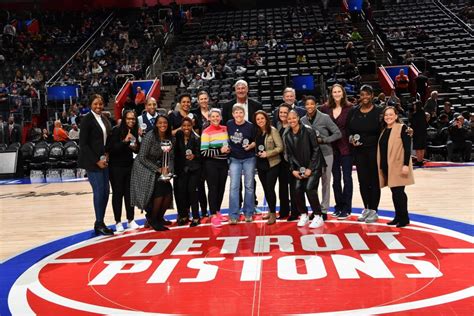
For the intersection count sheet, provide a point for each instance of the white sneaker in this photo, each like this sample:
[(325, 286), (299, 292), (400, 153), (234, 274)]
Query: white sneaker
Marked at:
[(317, 222), (119, 227), (303, 220), (372, 217), (364, 215), (133, 225)]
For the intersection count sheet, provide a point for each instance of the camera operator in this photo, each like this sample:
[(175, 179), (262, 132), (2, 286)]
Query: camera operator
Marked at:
[(459, 140)]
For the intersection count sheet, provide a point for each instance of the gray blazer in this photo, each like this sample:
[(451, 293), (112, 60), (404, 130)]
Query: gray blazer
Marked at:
[(328, 130), (145, 170)]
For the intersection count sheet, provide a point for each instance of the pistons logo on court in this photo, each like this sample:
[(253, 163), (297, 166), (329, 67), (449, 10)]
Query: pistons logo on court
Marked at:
[(253, 269)]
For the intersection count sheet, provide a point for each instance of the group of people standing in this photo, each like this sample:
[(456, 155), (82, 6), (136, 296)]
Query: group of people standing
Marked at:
[(300, 147)]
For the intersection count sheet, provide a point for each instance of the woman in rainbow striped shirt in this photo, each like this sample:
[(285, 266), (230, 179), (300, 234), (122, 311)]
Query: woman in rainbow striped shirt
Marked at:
[(214, 151)]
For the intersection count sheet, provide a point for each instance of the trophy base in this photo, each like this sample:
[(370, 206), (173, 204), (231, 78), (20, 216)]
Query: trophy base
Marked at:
[(165, 177)]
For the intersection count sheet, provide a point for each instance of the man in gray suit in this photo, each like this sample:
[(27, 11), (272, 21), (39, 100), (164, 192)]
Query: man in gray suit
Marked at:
[(326, 132)]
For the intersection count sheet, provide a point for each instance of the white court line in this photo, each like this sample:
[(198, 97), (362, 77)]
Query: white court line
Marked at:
[(456, 250)]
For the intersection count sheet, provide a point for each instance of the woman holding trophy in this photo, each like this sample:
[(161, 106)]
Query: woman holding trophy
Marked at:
[(214, 150), (121, 145), (306, 163), (188, 172), (363, 125), (154, 164), (269, 146)]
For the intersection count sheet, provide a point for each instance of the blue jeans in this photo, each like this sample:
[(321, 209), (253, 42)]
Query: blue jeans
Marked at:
[(343, 197), (99, 181), (237, 167)]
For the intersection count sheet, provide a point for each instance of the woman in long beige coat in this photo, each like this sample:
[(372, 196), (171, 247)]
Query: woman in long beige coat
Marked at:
[(394, 163)]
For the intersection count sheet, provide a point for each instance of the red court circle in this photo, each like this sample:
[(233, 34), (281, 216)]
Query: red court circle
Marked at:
[(248, 267)]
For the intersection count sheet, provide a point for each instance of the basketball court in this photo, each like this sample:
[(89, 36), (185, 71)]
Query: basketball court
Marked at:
[(52, 264)]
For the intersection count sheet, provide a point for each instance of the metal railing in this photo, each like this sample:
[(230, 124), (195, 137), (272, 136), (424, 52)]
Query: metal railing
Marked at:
[(157, 60), (450, 13), (84, 46)]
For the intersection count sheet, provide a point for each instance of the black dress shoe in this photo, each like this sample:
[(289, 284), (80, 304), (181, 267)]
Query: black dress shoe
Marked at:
[(165, 221), (195, 222), (311, 217), (182, 221), (103, 230), (204, 214), (159, 226), (325, 216), (393, 222), (292, 218), (402, 224)]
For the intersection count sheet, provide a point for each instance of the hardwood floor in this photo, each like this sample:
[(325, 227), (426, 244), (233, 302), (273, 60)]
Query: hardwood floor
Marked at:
[(34, 214)]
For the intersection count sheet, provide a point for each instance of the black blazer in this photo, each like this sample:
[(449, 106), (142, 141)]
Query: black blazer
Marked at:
[(14, 136), (91, 142), (254, 106)]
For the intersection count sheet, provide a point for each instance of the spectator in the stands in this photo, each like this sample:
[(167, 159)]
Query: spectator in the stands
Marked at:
[(59, 134), (459, 140), (370, 50), (441, 122), (381, 100), (355, 35), (64, 119), (140, 99), (448, 110), (393, 100), (34, 134), (408, 58), (196, 83), (401, 82), (46, 136), (419, 125), (12, 132), (74, 132), (351, 52), (208, 73), (431, 105)]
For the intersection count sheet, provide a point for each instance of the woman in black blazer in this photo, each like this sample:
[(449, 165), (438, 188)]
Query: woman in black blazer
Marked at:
[(188, 171), (121, 145), (95, 129)]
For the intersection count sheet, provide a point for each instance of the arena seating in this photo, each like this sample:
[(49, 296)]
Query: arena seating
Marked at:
[(279, 63), (448, 49)]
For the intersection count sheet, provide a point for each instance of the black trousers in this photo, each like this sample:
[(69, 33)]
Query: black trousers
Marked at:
[(400, 202), (283, 185), (120, 181), (186, 195), (268, 179), (369, 186), (310, 187), (216, 177), (202, 197)]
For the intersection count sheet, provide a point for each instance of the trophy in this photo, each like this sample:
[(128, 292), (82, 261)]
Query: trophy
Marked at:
[(355, 139), (318, 138), (261, 149), (143, 126), (225, 144), (302, 171), (166, 148), (133, 141), (102, 157), (245, 142), (189, 152), (191, 116)]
